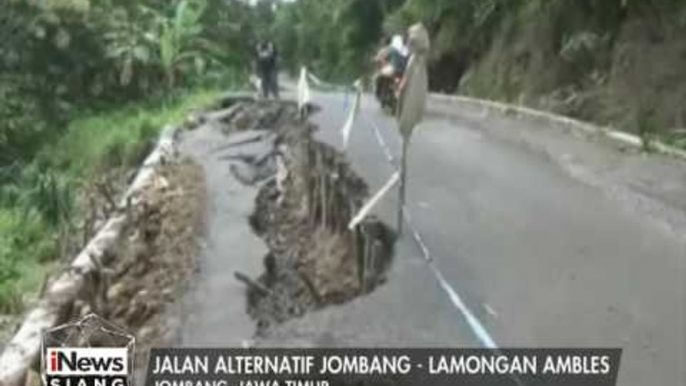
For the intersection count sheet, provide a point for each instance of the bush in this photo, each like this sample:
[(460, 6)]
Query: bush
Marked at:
[(36, 199), (21, 126), (60, 58), (25, 245), (82, 85)]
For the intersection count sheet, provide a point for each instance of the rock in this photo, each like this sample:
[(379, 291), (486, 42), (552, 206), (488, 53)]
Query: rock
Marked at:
[(160, 183), (145, 332), (115, 291), (168, 293)]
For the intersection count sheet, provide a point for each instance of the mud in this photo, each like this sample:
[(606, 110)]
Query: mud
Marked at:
[(307, 196)]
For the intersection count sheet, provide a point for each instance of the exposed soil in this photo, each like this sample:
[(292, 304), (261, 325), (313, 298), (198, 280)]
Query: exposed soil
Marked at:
[(141, 286), (307, 197), (596, 61)]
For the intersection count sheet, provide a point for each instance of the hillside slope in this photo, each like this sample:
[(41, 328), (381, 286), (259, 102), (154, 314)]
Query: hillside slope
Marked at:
[(619, 65)]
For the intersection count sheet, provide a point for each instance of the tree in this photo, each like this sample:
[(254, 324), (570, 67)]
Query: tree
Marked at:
[(180, 39)]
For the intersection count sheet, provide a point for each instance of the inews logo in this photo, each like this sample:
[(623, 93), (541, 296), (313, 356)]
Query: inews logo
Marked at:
[(100, 361), (87, 352)]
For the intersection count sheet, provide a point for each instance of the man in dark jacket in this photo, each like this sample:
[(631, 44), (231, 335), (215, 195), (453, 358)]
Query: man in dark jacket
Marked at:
[(267, 68)]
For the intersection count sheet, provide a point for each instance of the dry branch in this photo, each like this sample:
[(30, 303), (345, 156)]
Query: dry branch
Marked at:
[(243, 278)]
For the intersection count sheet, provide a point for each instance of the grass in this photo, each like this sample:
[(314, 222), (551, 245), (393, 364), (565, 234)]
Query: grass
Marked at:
[(25, 245), (675, 138), (102, 141), (33, 211)]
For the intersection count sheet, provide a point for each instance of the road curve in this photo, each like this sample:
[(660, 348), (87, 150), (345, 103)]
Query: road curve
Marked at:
[(550, 238)]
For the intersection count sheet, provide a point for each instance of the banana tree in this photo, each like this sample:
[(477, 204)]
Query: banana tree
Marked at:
[(129, 42), (180, 40)]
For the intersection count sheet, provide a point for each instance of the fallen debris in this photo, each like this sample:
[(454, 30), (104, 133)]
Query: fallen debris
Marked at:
[(253, 285), (307, 198), (131, 269)]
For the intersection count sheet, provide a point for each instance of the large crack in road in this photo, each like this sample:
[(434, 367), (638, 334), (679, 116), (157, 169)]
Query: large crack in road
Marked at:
[(541, 257), (304, 195)]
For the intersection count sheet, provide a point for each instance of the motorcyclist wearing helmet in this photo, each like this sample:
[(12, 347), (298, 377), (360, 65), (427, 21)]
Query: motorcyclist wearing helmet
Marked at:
[(391, 61)]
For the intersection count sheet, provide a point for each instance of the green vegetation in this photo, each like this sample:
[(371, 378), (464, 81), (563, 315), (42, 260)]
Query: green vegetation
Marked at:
[(606, 61), (37, 205), (102, 141), (615, 63), (335, 38), (21, 272), (85, 87)]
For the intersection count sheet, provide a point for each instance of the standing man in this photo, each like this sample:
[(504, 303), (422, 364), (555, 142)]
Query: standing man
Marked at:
[(267, 68), (412, 94), (398, 55)]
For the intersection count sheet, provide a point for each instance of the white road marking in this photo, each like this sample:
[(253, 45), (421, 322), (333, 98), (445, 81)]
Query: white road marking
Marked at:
[(474, 323)]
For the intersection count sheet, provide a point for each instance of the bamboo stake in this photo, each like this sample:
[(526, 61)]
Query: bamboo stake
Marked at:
[(323, 203), (403, 183), (373, 201)]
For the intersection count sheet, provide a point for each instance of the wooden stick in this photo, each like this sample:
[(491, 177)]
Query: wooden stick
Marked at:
[(403, 183), (243, 278), (373, 201), (106, 192), (322, 198), (365, 256)]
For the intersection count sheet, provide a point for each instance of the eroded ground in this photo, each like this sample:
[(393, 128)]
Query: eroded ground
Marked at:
[(303, 195), (141, 281)]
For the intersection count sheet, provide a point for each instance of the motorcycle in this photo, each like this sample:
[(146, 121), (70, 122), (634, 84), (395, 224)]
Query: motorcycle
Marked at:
[(387, 82)]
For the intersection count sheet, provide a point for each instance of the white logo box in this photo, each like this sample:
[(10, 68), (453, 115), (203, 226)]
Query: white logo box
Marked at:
[(86, 361)]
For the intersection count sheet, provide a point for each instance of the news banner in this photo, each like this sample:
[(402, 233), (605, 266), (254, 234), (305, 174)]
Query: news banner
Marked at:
[(327, 367)]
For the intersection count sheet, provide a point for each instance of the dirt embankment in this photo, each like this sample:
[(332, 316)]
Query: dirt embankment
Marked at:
[(157, 261), (139, 287), (610, 62), (307, 197), (138, 282)]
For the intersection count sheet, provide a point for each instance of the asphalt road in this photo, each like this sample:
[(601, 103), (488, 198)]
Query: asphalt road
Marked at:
[(215, 310), (550, 238)]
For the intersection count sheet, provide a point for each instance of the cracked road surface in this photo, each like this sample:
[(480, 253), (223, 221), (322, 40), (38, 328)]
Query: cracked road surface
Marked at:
[(551, 239)]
